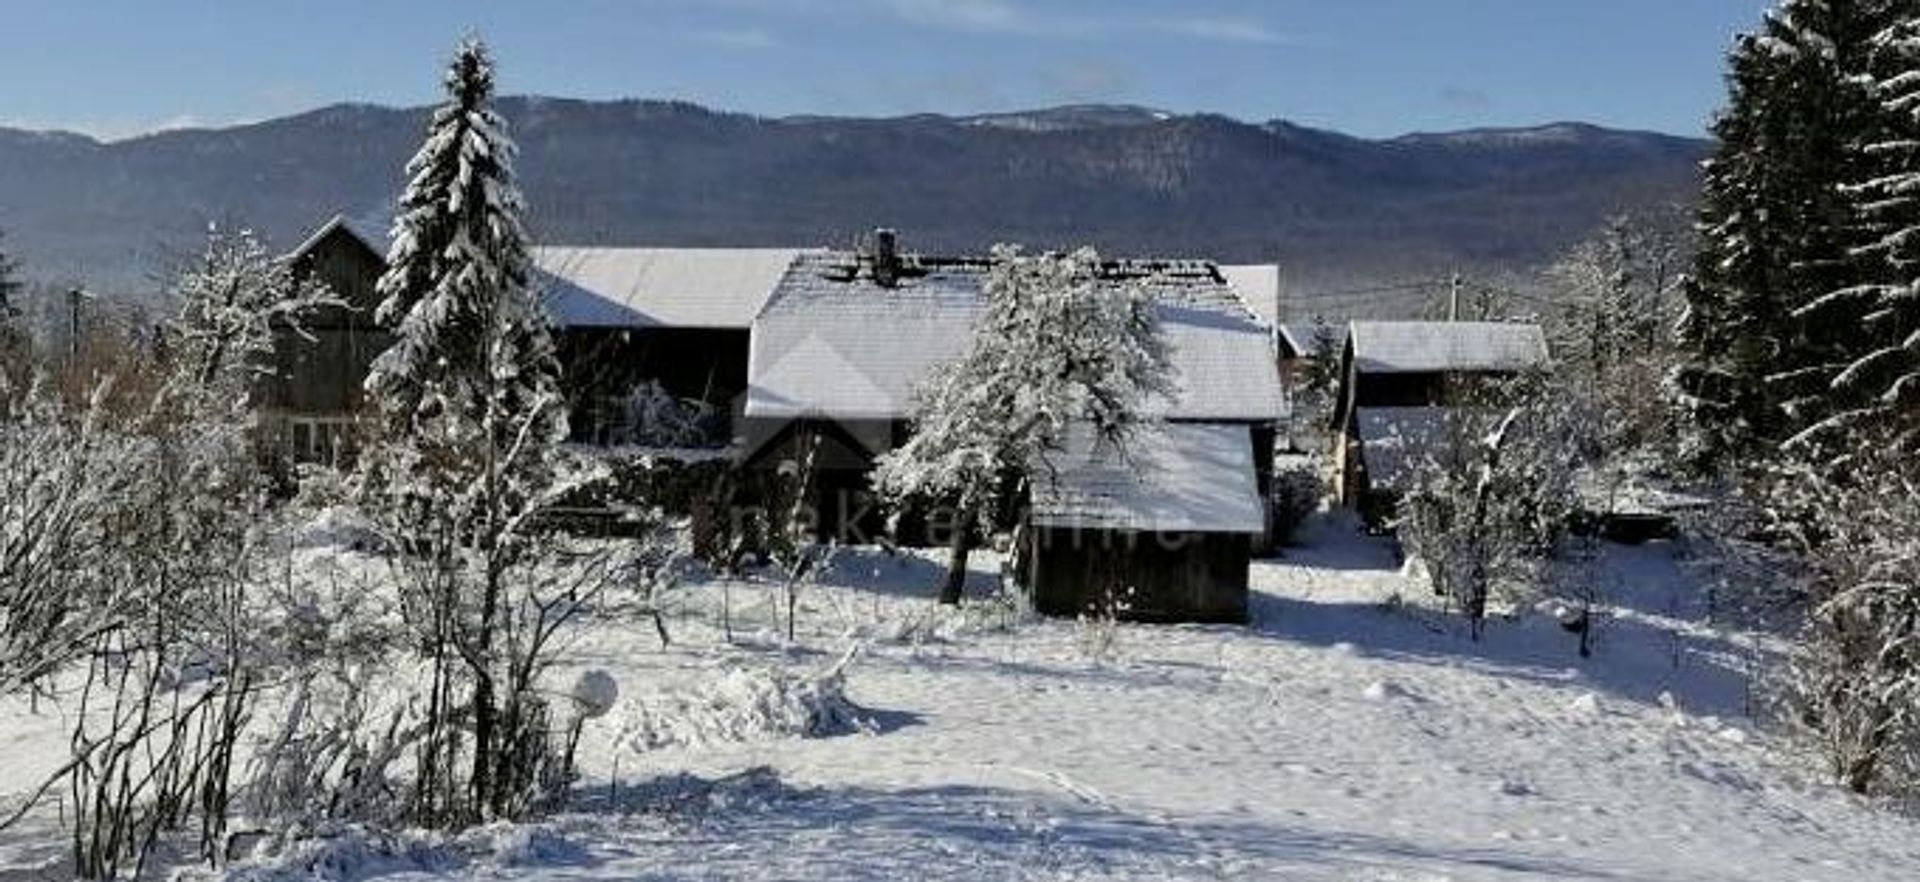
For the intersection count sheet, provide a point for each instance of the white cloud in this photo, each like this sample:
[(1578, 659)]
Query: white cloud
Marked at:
[(733, 38), (1229, 30), (983, 15)]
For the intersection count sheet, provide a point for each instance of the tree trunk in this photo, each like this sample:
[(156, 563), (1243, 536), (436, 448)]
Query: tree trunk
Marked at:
[(958, 550)]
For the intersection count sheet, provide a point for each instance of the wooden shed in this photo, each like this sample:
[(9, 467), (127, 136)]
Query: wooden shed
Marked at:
[(1162, 530), (314, 399), (1398, 379)]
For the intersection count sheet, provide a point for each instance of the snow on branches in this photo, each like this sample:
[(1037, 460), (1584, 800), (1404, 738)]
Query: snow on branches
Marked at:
[(1061, 343), (233, 301)]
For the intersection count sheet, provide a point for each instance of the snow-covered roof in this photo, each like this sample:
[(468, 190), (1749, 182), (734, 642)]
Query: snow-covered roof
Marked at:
[(375, 240), (1258, 286), (1420, 347), (1176, 478), (1393, 440), (658, 287), (833, 343)]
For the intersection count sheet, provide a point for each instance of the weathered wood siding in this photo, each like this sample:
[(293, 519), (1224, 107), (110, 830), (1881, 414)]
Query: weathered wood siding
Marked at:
[(1183, 577), (316, 391)]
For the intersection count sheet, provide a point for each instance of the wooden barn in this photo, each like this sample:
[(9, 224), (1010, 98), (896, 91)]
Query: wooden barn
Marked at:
[(313, 402), (621, 317), (1161, 531), (1397, 379)]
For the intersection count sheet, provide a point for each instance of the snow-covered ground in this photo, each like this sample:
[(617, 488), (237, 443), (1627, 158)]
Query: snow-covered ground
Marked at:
[(1351, 733)]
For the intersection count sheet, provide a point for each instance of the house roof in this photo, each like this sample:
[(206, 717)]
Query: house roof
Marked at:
[(1258, 287), (1394, 439), (658, 287), (1422, 347), (375, 242), (833, 343), (1175, 478)]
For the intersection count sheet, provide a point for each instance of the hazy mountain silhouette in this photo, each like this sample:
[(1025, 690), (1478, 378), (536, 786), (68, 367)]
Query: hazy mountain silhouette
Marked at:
[(1126, 179)]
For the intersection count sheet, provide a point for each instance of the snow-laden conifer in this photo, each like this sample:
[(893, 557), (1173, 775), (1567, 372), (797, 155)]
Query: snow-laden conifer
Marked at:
[(1874, 385), (467, 462), (1776, 228)]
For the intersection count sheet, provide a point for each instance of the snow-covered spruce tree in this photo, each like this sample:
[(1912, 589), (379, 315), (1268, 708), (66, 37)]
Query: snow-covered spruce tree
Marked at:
[(1775, 226), (1873, 383), (1062, 342), (1490, 496), (467, 461)]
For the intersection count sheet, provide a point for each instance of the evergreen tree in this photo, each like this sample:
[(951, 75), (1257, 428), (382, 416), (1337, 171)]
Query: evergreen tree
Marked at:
[(1874, 382), (471, 412), (1777, 227)]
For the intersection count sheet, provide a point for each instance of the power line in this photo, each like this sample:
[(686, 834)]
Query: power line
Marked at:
[(1375, 289)]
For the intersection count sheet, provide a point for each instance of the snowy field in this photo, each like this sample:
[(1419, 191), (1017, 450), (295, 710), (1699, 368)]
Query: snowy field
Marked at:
[(1351, 733)]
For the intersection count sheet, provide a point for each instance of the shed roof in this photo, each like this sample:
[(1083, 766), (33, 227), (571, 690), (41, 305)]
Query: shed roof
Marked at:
[(833, 343), (1175, 478), (1421, 347), (658, 287), (1394, 439)]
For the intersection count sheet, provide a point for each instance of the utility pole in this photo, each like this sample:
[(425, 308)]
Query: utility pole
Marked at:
[(1453, 298), (73, 325)]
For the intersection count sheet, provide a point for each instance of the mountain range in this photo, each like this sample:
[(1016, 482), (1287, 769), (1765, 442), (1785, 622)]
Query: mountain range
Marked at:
[(1330, 208)]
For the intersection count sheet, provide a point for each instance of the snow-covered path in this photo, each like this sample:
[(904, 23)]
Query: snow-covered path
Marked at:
[(1341, 737)]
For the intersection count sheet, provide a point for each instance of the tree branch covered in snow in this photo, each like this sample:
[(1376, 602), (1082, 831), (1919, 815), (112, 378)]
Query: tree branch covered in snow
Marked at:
[(1489, 499), (1060, 343)]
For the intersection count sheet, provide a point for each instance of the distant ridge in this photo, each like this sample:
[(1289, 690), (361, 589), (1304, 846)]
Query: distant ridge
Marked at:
[(1124, 178)]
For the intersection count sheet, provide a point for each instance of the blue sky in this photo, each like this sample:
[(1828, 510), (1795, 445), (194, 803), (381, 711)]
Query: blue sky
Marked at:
[(1369, 67)]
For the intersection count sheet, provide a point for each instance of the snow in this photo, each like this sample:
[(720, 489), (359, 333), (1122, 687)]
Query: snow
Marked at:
[(1258, 287), (658, 287), (1177, 477), (1352, 732), (1394, 441), (826, 346), (1418, 347)]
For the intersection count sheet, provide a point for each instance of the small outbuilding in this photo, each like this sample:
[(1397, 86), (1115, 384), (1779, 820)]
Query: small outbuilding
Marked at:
[(1398, 380), (1163, 529)]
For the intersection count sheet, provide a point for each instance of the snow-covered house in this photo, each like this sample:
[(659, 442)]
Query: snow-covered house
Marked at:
[(313, 399), (839, 349), (1395, 379)]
